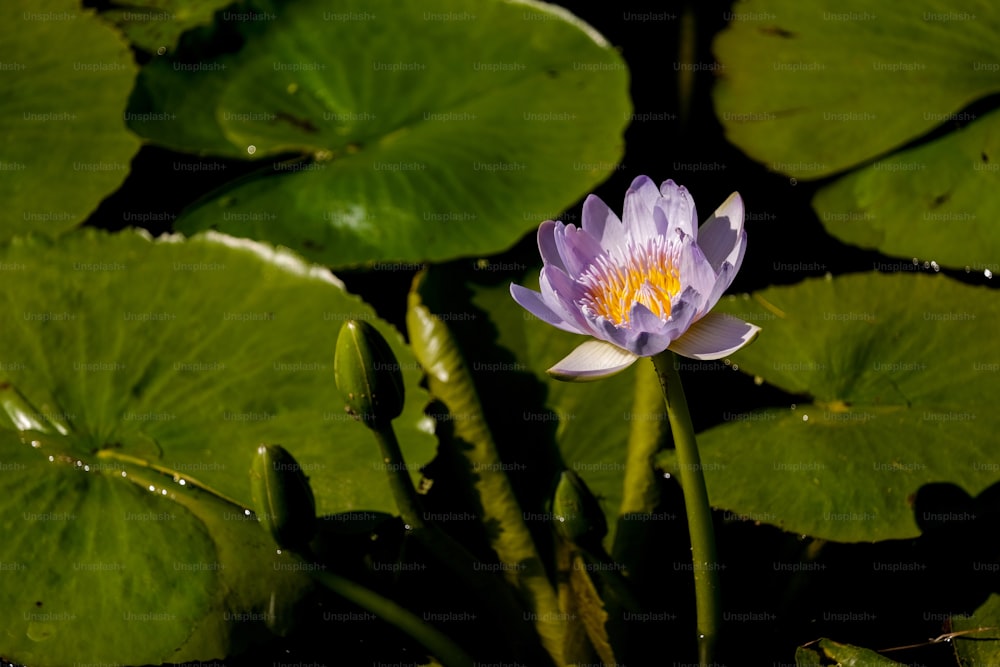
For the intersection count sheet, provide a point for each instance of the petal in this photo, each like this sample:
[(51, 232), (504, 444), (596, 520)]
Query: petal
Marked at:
[(592, 360), (535, 304), (677, 210), (696, 273), (560, 294), (637, 215), (714, 336), (547, 244), (577, 248), (600, 222), (722, 238), (722, 283), (649, 334)]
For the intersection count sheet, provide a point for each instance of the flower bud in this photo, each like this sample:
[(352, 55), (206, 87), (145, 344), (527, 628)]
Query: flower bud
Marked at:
[(368, 374), (578, 515), (282, 497)]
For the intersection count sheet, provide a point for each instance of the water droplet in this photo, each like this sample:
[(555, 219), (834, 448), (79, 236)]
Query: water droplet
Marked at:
[(39, 632), (183, 482), (988, 274), (79, 463), (793, 181), (758, 380), (163, 492), (666, 475), (968, 269), (246, 512), (152, 488), (36, 444), (805, 418), (86, 468), (251, 149), (927, 265), (124, 474), (916, 261), (935, 266), (160, 51), (52, 459), (736, 367), (793, 406)]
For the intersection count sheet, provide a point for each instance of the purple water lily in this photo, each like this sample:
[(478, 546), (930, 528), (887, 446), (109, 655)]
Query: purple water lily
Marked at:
[(641, 287)]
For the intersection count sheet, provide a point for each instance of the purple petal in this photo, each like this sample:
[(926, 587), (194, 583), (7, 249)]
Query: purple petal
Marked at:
[(637, 215), (547, 246), (592, 360), (726, 275), (601, 223), (722, 238), (695, 272), (649, 334), (714, 336), (682, 313), (534, 303), (560, 294), (677, 210), (577, 248)]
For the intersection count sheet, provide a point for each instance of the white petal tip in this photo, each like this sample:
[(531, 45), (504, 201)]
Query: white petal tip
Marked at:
[(592, 360), (715, 336)]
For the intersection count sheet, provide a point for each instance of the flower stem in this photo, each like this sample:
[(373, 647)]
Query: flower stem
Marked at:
[(699, 513)]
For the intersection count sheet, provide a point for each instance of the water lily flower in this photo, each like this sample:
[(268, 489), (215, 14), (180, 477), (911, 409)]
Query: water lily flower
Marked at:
[(642, 286)]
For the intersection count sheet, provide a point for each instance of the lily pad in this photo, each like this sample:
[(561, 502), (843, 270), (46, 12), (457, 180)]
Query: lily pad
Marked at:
[(898, 385), (63, 141), (929, 201), (979, 641), (147, 372), (826, 652), (407, 132), (813, 90), (156, 25)]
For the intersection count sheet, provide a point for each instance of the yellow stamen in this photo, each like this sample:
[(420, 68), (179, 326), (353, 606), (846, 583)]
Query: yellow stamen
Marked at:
[(644, 275)]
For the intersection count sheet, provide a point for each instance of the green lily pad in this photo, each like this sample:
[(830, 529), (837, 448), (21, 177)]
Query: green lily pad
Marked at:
[(109, 562), (63, 142), (410, 132), (812, 90), (899, 384), (156, 25), (168, 361), (979, 642), (826, 651), (928, 201)]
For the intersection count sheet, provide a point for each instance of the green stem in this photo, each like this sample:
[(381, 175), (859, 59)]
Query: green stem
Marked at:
[(699, 513), (443, 648), (399, 477)]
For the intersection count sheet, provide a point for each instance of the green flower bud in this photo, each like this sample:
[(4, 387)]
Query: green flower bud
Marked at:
[(578, 515), (367, 374), (282, 497)]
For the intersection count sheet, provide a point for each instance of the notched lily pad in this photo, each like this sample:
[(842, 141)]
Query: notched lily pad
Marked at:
[(399, 132)]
